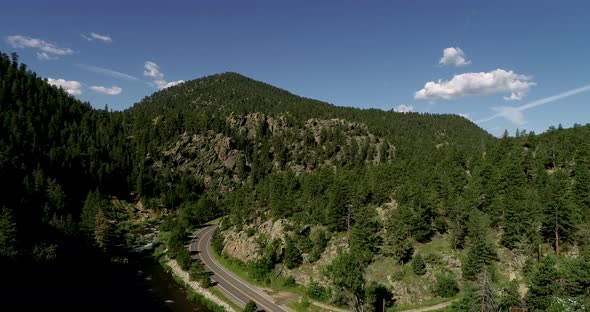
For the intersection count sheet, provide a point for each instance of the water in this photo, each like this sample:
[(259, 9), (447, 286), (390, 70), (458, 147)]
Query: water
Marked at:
[(91, 285), (170, 295)]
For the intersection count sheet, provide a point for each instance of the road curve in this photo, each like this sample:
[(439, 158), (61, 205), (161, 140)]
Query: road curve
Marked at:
[(235, 288)]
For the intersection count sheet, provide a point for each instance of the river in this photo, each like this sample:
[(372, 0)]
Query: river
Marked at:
[(168, 294), (90, 284)]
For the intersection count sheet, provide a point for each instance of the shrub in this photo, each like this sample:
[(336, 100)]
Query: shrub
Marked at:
[(183, 257), (251, 307), (250, 232), (289, 281), (195, 271), (398, 275), (446, 286), (433, 258), (319, 240), (418, 265), (317, 291), (204, 280), (217, 242), (293, 256)]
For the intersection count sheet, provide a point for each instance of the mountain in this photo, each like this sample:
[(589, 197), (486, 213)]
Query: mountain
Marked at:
[(302, 185)]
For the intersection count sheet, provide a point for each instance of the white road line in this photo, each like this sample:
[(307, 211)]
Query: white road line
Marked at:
[(239, 281), (236, 288)]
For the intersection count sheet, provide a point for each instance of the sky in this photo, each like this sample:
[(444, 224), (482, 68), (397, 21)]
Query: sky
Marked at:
[(502, 64)]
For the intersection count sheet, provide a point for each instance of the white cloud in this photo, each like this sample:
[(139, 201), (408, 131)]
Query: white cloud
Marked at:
[(465, 115), (104, 38), (94, 36), (70, 86), (153, 70), (497, 81), (45, 57), (109, 72), (453, 56), (47, 51), (511, 113), (162, 84), (404, 108), (110, 91), (516, 113)]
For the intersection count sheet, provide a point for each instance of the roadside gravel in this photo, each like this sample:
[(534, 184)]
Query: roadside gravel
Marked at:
[(176, 270)]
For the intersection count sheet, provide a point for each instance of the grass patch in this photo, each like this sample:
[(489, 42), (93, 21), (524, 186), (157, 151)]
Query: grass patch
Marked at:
[(427, 303), (221, 296), (243, 271), (304, 306)]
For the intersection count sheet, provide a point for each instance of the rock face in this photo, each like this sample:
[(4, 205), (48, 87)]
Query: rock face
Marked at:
[(314, 271), (238, 245), (221, 161)]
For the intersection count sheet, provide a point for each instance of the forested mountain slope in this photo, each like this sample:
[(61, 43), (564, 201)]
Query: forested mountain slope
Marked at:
[(385, 185)]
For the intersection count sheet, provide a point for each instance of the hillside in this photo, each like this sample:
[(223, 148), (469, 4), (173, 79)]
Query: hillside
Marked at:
[(374, 203), (252, 129), (222, 94)]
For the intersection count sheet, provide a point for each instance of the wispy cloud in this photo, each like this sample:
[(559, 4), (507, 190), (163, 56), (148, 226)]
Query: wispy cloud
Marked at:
[(46, 50), (94, 36), (516, 113), (152, 70), (108, 72), (483, 83), (114, 90), (454, 56), (45, 56), (465, 115), (70, 86)]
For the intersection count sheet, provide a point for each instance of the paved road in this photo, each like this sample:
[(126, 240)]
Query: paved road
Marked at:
[(232, 286)]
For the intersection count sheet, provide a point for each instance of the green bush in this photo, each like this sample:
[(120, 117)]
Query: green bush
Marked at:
[(195, 271), (398, 275), (446, 286), (251, 307), (433, 258), (319, 240), (261, 269), (250, 232), (289, 281), (183, 257), (317, 291), (418, 265), (293, 256), (217, 242)]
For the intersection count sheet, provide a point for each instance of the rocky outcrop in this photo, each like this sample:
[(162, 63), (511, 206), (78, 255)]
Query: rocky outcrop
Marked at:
[(246, 248), (222, 161)]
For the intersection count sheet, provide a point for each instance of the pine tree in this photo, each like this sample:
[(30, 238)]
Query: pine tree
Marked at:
[(487, 294), (346, 273), (365, 239), (418, 265), (293, 256), (397, 242), (560, 215), (481, 252), (8, 248), (89, 212), (543, 286), (510, 297), (102, 230)]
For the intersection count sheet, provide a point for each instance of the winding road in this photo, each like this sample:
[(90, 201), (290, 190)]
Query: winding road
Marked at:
[(234, 288)]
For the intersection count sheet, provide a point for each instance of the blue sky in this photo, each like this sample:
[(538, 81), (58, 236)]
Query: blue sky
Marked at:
[(508, 64)]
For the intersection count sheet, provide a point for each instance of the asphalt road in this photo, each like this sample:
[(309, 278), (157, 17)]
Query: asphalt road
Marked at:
[(232, 286)]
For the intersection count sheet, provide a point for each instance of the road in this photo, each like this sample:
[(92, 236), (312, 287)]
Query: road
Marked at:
[(237, 290)]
